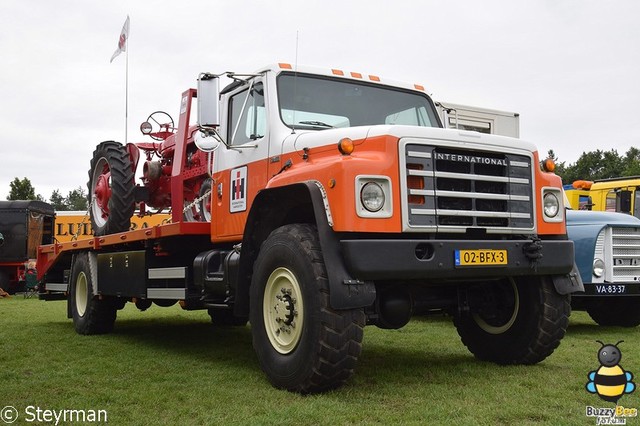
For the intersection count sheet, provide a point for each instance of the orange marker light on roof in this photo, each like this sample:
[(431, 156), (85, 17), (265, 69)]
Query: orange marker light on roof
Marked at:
[(337, 72), (374, 78), (345, 146), (419, 87), (549, 165), (284, 66), (356, 75)]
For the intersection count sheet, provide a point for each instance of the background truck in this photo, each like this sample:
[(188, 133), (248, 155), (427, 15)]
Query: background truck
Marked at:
[(24, 225), (612, 195), (313, 202), (607, 244), (607, 248)]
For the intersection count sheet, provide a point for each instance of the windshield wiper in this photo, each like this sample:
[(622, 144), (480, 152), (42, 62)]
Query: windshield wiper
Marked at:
[(316, 123)]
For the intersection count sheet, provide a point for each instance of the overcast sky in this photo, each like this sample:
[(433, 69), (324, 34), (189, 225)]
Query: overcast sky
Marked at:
[(571, 68)]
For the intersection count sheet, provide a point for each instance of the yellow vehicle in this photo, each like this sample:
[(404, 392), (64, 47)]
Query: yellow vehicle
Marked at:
[(75, 225), (611, 195)]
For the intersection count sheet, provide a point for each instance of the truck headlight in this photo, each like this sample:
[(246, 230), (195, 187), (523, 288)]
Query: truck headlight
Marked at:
[(551, 205), (598, 268), (372, 197)]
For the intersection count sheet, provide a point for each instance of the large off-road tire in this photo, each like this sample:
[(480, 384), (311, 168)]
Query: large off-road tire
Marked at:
[(224, 317), (514, 321), (90, 314), (616, 311), (302, 344), (111, 189)]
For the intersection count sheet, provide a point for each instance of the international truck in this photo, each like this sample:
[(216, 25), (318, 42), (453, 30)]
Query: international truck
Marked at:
[(312, 202), (602, 221), (24, 226)]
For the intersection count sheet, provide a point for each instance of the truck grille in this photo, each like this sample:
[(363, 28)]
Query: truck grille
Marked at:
[(626, 254), (450, 190)]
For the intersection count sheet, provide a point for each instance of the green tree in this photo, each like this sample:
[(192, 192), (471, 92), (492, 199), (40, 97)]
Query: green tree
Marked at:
[(77, 199), (58, 202), (632, 162), (22, 190), (594, 165)]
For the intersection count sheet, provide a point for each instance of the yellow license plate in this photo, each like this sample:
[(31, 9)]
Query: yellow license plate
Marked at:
[(480, 257)]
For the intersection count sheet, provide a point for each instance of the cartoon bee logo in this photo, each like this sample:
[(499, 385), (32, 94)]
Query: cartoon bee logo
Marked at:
[(610, 381)]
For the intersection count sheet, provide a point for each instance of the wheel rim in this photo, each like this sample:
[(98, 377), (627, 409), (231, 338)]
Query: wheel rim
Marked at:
[(82, 292), (283, 310), (101, 192), (506, 312)]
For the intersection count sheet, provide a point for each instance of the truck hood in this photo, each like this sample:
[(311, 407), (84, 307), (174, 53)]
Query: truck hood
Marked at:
[(587, 217), (310, 139)]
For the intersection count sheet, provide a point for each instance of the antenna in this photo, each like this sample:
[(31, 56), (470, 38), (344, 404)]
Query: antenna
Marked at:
[(295, 81)]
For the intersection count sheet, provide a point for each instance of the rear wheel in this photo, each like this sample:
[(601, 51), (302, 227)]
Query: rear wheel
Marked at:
[(616, 311), (111, 189), (90, 314), (303, 345), (514, 321)]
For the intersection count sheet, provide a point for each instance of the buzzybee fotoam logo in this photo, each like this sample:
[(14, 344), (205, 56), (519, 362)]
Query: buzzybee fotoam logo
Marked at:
[(610, 382)]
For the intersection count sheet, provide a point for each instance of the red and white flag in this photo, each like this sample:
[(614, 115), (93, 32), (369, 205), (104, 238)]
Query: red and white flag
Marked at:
[(122, 42)]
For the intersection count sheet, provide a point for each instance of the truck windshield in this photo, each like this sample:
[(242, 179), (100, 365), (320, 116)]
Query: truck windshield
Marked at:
[(313, 102)]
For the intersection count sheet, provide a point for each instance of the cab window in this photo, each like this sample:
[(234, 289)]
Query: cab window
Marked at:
[(247, 116)]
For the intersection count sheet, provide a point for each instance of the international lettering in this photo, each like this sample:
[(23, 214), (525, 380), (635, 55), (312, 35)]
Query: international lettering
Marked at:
[(471, 159)]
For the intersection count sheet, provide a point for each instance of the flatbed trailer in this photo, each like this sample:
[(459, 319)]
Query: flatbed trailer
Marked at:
[(162, 241)]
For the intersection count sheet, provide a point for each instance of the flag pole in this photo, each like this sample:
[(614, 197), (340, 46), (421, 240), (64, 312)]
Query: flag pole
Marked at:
[(126, 97)]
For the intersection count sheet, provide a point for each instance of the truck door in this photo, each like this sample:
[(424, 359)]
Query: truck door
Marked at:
[(636, 202), (240, 171)]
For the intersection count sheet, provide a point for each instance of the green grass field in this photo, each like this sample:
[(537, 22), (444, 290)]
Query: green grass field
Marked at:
[(169, 366)]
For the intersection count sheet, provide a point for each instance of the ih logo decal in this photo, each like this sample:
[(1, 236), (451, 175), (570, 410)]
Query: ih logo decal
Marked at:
[(238, 199)]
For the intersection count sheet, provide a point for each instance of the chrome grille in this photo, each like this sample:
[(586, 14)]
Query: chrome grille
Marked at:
[(451, 190), (625, 248)]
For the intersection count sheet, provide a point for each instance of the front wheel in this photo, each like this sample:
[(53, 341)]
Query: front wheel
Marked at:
[(514, 321), (90, 314), (302, 344), (616, 311)]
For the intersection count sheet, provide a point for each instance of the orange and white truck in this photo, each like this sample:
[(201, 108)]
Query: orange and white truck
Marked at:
[(313, 202)]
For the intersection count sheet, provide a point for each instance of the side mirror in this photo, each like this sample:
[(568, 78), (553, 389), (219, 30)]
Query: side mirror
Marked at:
[(208, 95), (206, 143)]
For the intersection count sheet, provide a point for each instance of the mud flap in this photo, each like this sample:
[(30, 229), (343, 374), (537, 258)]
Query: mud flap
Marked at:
[(570, 283)]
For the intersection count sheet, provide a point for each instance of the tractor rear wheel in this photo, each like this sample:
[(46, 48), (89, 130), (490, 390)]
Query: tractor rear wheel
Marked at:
[(111, 189)]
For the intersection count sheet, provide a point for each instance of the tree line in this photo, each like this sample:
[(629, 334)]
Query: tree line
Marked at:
[(599, 164), (22, 189)]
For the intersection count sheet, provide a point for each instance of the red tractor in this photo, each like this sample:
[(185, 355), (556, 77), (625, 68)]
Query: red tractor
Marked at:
[(113, 193)]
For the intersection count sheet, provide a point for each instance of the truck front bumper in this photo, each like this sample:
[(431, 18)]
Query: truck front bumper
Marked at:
[(427, 260)]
